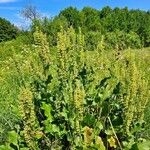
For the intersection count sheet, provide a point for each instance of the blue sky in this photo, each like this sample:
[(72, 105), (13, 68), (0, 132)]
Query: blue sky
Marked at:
[(10, 9)]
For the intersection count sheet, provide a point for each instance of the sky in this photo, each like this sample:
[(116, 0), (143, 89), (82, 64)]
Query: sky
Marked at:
[(10, 9)]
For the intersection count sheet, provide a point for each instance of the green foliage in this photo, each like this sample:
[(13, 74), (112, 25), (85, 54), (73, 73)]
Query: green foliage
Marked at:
[(121, 40), (73, 98), (7, 30), (90, 19), (72, 16), (135, 24), (92, 39), (66, 89)]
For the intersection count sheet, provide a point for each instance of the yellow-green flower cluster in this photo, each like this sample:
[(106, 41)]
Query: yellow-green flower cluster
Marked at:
[(62, 44), (42, 46), (26, 108)]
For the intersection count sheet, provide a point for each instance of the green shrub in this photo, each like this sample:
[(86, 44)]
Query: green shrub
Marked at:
[(121, 40), (7, 30)]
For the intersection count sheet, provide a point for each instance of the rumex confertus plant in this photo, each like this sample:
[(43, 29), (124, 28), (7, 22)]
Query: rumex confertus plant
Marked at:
[(79, 99)]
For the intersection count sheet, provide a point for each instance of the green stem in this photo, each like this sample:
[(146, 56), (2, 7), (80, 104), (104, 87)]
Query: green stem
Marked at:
[(115, 133)]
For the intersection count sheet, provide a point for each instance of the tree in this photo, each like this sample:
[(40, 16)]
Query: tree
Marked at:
[(30, 12), (7, 30), (72, 16), (90, 19), (105, 11)]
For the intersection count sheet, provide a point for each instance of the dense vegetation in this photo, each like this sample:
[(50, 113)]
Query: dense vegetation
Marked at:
[(71, 83), (7, 30), (120, 27)]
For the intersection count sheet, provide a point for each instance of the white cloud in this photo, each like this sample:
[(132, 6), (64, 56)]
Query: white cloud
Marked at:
[(7, 1)]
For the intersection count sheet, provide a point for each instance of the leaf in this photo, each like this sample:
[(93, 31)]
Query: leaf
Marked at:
[(99, 143), (89, 120), (55, 128), (24, 148), (3, 147), (47, 111), (51, 128), (1, 130), (48, 127), (13, 137), (109, 132), (99, 125), (134, 147), (144, 145)]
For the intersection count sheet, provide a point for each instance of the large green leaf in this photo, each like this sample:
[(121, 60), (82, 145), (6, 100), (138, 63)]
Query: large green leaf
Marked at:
[(13, 138), (144, 145), (5, 147), (47, 111)]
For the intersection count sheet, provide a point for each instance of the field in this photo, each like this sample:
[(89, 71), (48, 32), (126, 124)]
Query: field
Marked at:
[(53, 97), (78, 81)]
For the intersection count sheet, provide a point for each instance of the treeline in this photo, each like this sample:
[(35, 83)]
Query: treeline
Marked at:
[(121, 28), (7, 30)]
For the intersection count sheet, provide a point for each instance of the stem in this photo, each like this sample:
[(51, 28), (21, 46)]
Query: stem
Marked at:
[(115, 133)]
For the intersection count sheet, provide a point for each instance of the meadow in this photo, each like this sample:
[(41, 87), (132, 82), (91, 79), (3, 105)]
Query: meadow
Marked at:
[(74, 90)]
